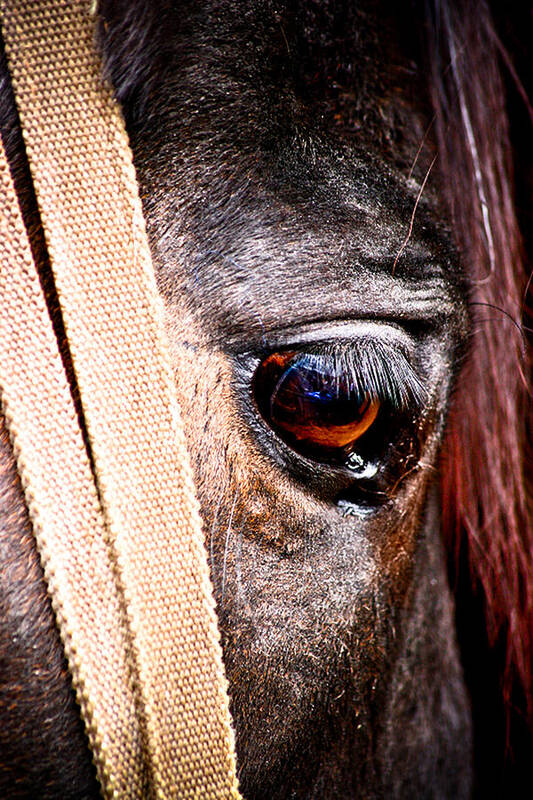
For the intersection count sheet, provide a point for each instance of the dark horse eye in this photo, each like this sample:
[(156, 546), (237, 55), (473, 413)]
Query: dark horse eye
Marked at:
[(314, 404)]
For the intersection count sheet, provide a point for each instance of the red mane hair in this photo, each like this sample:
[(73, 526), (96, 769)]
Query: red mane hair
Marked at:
[(484, 496)]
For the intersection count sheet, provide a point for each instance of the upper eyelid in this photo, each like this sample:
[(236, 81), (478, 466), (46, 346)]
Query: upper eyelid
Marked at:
[(398, 327), (342, 331)]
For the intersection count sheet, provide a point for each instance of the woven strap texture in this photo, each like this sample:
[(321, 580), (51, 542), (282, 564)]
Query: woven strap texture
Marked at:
[(144, 652), (63, 504)]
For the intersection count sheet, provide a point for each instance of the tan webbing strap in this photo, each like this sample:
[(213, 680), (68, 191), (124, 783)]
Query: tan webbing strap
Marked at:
[(64, 506), (87, 194)]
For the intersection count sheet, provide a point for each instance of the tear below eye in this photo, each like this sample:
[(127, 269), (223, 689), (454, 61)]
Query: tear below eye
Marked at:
[(313, 405)]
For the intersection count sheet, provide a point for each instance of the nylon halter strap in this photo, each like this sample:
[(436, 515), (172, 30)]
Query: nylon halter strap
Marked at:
[(118, 527)]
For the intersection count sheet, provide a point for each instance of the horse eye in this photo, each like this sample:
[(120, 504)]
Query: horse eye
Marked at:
[(314, 406)]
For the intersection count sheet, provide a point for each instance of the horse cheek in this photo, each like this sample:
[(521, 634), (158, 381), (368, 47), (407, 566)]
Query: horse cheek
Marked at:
[(330, 637)]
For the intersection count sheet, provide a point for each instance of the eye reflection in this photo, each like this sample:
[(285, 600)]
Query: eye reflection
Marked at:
[(314, 404)]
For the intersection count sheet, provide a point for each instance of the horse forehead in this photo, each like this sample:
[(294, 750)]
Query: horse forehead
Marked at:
[(249, 261), (258, 194)]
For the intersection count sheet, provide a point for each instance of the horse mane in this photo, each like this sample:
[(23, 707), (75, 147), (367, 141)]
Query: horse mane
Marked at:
[(484, 481)]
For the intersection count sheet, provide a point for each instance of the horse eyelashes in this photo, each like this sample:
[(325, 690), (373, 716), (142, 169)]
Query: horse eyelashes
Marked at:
[(327, 402), (380, 370)]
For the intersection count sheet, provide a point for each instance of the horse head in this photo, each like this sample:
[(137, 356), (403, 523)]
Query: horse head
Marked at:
[(321, 211)]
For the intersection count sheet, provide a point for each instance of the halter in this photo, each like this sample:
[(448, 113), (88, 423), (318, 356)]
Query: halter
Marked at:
[(111, 495)]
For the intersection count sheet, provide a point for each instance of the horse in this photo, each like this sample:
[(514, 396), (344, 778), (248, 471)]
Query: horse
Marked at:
[(328, 197)]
